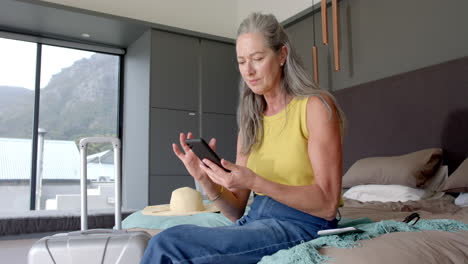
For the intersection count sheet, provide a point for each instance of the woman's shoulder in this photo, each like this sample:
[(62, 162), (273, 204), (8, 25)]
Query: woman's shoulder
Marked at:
[(320, 101), (321, 107), (313, 102), (320, 97)]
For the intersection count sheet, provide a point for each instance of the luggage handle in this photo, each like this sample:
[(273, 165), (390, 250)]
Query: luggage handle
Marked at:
[(96, 231), (83, 177)]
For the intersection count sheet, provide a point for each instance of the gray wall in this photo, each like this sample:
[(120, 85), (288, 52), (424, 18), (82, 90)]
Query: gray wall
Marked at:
[(166, 76), (381, 38), (136, 124)]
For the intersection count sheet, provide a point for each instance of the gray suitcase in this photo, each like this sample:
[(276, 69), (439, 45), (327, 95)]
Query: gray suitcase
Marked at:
[(96, 245)]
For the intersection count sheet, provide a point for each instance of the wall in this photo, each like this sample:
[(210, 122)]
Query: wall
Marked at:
[(135, 135), (383, 38)]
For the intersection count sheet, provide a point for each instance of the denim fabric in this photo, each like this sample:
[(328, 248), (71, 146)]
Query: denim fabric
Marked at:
[(268, 227)]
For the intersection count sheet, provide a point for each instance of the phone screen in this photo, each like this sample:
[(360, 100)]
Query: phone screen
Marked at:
[(203, 151)]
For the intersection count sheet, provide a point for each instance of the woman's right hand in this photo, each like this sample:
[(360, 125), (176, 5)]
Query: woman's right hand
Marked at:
[(190, 160)]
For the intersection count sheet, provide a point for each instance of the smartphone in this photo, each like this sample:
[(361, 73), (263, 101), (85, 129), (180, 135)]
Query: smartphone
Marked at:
[(203, 151)]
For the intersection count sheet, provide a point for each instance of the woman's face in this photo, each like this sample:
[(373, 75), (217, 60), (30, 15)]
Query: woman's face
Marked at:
[(259, 65)]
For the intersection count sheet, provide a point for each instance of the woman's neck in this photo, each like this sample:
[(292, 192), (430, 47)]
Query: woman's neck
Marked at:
[(276, 102)]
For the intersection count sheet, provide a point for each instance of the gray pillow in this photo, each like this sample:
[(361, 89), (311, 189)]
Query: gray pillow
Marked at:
[(458, 180), (412, 170)]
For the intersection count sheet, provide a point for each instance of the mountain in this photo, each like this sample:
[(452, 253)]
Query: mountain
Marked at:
[(81, 100), (14, 103)]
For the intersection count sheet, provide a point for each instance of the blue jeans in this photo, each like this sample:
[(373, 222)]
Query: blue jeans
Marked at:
[(268, 227)]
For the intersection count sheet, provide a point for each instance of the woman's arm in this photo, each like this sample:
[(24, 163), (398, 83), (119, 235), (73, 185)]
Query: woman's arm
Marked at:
[(325, 153), (231, 202)]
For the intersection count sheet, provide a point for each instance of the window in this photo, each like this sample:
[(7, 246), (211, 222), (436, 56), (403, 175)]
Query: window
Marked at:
[(17, 78), (78, 97)]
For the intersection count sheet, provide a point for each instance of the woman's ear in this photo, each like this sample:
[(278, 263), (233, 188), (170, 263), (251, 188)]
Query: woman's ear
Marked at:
[(284, 54)]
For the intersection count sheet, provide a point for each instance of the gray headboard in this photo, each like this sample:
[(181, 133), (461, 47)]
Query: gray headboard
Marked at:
[(408, 112)]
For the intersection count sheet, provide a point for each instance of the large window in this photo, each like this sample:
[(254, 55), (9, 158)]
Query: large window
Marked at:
[(78, 97)]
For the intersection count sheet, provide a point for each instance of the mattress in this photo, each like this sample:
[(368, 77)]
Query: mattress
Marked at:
[(401, 247), (405, 247)]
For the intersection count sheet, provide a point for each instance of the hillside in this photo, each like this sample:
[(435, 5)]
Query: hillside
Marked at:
[(15, 102), (79, 101)]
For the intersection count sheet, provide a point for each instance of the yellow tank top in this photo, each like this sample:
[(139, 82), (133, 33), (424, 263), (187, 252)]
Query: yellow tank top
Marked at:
[(282, 156)]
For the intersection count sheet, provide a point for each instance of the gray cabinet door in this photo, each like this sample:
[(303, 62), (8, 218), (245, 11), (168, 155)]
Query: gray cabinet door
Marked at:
[(161, 187), (175, 73), (220, 77), (165, 127), (224, 129)]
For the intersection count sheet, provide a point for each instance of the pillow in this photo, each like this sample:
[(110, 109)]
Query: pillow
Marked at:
[(412, 170), (384, 193), (436, 181), (462, 200), (458, 180)]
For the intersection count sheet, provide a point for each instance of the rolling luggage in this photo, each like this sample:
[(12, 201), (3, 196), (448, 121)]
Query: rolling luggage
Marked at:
[(107, 246)]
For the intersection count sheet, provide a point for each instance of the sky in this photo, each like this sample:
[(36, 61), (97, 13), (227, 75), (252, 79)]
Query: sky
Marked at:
[(18, 62)]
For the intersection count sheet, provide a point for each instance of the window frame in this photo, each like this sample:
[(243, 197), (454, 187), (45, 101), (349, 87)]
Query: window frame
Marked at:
[(93, 47)]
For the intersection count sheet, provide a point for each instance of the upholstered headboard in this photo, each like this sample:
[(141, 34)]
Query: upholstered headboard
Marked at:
[(408, 112)]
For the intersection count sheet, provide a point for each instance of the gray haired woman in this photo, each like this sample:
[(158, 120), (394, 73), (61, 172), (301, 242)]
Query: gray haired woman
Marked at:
[(288, 153)]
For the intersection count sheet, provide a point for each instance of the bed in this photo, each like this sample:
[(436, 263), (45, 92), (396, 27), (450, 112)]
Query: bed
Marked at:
[(420, 109), (406, 247), (393, 117), (398, 247)]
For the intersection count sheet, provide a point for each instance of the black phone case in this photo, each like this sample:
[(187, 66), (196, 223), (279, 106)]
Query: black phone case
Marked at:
[(203, 151)]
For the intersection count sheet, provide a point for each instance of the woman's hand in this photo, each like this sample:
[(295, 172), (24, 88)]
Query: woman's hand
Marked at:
[(240, 177), (189, 159)]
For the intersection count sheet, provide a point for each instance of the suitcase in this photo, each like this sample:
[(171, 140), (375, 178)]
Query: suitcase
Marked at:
[(95, 245)]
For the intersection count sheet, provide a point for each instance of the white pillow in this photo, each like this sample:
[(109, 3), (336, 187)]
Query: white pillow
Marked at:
[(462, 200), (384, 193)]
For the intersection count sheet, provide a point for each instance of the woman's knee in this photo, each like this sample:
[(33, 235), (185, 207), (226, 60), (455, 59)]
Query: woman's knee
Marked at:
[(166, 245), (167, 238)]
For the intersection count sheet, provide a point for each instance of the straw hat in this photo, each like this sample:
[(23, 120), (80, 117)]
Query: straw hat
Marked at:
[(184, 201)]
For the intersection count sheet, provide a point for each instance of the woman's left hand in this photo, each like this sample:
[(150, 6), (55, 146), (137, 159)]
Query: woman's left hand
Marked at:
[(239, 178)]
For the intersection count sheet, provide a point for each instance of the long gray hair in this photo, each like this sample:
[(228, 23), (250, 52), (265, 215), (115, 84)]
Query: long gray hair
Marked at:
[(296, 81)]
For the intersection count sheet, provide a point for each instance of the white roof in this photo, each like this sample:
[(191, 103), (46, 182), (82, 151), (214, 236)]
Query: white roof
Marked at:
[(105, 157)]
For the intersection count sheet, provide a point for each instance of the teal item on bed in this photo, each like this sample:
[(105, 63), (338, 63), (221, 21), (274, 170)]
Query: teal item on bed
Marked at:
[(139, 220), (307, 252), (346, 222)]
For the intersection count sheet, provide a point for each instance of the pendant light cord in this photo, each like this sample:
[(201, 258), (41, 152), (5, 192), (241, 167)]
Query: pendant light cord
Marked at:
[(313, 20)]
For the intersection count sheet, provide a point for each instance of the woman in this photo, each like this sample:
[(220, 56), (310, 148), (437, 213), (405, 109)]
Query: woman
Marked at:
[(288, 154)]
